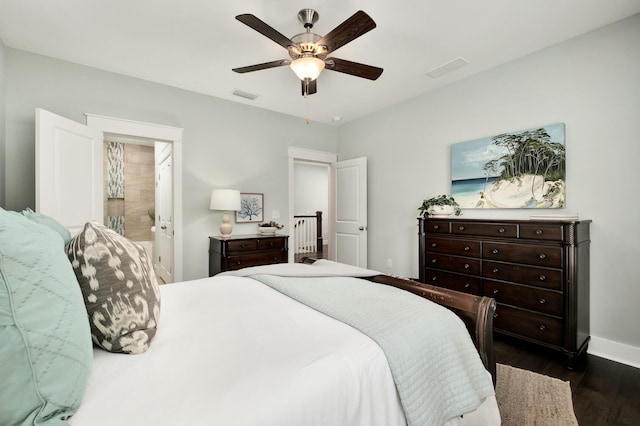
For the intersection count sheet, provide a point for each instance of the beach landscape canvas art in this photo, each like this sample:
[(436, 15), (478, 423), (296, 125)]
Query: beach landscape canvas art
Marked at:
[(521, 169)]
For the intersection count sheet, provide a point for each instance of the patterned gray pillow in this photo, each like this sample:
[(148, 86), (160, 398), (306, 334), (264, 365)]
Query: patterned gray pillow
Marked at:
[(119, 287)]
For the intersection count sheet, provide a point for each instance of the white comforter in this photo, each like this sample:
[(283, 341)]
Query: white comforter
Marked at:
[(232, 351)]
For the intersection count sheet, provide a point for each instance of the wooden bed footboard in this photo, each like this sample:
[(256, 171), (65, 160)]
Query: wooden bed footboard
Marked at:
[(475, 311)]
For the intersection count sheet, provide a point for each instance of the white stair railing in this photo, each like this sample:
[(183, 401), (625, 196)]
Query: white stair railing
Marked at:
[(307, 233)]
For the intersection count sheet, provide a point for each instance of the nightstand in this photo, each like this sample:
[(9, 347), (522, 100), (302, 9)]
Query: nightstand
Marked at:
[(241, 251)]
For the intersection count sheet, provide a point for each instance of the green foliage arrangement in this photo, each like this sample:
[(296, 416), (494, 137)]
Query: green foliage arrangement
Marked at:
[(440, 200)]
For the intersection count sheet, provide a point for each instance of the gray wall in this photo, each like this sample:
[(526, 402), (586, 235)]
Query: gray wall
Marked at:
[(226, 144), (3, 78), (591, 83)]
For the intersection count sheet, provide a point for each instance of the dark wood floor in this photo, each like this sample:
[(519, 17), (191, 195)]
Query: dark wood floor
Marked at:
[(324, 254), (604, 392)]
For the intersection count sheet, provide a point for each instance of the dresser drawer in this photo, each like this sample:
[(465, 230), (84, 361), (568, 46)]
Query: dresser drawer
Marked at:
[(242, 246), (255, 259), (523, 253), (270, 243), (464, 265), (528, 324), (506, 230), (523, 274), (542, 231), (436, 226), (532, 298), (453, 281), (451, 246)]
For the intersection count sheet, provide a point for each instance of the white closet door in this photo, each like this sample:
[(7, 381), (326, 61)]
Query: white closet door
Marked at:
[(69, 171)]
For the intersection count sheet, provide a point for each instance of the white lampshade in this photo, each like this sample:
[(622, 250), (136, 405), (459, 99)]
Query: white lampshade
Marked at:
[(226, 200), (307, 67)]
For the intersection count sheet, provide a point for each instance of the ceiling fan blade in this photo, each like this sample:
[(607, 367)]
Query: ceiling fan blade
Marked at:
[(358, 24), (309, 87), (264, 29), (353, 68), (264, 66)]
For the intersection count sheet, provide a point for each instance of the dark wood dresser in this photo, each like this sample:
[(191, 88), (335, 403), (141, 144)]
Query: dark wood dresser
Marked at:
[(538, 272), (240, 251)]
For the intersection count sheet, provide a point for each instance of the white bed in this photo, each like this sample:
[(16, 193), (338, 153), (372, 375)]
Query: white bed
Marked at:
[(232, 351)]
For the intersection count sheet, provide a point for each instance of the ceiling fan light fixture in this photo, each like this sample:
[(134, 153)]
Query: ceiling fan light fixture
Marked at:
[(307, 67)]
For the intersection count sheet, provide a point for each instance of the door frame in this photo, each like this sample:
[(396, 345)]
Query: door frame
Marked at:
[(163, 133), (302, 154)]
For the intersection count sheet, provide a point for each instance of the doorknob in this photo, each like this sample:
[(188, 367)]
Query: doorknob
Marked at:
[(362, 228)]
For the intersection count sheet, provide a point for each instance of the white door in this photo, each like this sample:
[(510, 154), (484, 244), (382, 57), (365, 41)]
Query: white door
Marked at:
[(349, 240), (69, 171), (164, 215)]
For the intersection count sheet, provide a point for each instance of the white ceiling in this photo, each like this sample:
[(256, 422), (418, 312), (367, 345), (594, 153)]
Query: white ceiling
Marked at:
[(194, 44)]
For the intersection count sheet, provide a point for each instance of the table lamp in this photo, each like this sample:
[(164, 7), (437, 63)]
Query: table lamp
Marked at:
[(225, 200)]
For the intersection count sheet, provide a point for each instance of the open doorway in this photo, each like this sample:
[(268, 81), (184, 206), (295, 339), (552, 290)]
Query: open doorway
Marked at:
[(166, 143), (138, 201), (347, 211), (310, 230), (303, 159)]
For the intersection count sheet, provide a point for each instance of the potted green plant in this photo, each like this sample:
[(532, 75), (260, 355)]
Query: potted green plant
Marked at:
[(441, 205)]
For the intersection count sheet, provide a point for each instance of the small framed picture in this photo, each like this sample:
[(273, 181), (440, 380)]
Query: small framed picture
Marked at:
[(251, 206)]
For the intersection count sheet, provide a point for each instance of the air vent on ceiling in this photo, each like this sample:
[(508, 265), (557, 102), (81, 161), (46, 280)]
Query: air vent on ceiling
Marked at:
[(245, 95), (447, 68)]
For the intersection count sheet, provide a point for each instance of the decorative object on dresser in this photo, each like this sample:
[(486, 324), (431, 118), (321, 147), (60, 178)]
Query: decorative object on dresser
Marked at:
[(225, 200), (241, 251), (440, 206), (537, 270), (251, 208), (269, 228)]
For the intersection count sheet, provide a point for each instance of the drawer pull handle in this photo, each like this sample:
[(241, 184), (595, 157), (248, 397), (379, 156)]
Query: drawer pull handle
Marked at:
[(275, 258), (542, 256), (467, 266), (434, 279), (467, 248), (242, 246), (467, 285), (538, 231), (542, 301), (495, 291), (433, 260), (542, 327), (495, 251), (495, 315), (542, 277), (434, 245), (237, 262), (502, 230), (495, 270), (436, 226), (271, 243), (461, 228)]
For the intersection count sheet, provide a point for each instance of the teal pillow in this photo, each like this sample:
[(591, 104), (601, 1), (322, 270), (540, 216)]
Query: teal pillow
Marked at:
[(45, 342), (48, 222)]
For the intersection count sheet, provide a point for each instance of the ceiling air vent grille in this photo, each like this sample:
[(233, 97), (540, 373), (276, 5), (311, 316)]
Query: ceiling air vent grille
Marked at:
[(245, 95), (447, 68)]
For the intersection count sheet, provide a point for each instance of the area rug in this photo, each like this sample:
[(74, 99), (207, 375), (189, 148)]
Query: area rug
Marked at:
[(528, 398)]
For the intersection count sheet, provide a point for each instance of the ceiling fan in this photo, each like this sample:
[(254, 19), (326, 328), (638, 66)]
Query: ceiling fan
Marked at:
[(309, 51)]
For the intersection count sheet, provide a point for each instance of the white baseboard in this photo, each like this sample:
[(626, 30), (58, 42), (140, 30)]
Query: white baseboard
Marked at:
[(614, 351)]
